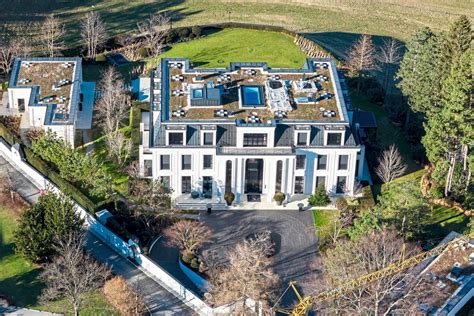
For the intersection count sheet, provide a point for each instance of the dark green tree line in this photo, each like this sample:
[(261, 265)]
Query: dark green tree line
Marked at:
[(436, 77)]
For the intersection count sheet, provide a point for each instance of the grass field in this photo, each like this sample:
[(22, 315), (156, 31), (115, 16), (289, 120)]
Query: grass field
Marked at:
[(218, 49), (19, 278), (382, 17)]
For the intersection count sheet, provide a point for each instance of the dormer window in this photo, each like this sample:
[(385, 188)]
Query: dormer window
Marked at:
[(302, 138), (208, 138), (334, 139), (175, 138)]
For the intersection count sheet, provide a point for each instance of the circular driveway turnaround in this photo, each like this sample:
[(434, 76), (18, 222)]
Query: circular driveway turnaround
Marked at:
[(292, 231)]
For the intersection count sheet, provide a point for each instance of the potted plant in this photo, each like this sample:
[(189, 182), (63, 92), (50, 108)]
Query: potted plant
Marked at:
[(194, 194), (229, 197), (279, 197)]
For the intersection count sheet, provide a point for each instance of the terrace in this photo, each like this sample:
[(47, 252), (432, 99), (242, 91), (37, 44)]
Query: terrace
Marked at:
[(54, 79), (251, 94)]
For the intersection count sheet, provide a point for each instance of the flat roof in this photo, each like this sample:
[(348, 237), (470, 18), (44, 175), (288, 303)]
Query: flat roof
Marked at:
[(55, 83), (311, 93)]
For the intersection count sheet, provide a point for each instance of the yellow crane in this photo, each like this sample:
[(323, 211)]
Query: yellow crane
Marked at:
[(305, 303)]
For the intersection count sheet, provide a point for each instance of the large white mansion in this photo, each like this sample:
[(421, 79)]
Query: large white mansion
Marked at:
[(251, 130)]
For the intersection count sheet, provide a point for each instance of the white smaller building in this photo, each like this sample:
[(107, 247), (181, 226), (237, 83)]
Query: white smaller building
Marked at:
[(49, 94)]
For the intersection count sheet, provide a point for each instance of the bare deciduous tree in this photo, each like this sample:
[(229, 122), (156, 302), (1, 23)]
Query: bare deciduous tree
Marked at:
[(119, 147), (72, 272), (154, 30), (349, 260), (361, 57), (123, 297), (187, 235), (93, 33), (248, 275), (8, 51), (114, 104), (390, 165), (389, 55), (112, 109), (52, 32)]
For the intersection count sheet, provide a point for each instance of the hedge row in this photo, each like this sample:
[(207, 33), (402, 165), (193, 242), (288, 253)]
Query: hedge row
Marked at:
[(41, 166)]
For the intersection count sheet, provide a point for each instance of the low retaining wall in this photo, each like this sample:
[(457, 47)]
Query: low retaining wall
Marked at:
[(198, 280), (14, 155)]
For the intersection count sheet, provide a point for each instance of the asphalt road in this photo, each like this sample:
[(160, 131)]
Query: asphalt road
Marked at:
[(158, 300)]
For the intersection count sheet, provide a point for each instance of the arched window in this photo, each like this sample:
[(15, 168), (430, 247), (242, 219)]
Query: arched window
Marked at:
[(279, 171), (228, 176)]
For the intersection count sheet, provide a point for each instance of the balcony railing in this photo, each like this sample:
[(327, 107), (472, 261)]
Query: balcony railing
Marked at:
[(255, 151)]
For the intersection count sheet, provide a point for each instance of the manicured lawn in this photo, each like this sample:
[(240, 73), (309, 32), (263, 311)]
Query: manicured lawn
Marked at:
[(444, 220), (95, 304), (218, 49), (327, 18), (19, 278)]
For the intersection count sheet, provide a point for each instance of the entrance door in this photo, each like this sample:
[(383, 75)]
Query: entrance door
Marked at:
[(253, 176), (21, 105)]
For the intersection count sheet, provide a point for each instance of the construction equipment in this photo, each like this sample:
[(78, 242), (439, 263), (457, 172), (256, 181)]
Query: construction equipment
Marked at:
[(305, 303)]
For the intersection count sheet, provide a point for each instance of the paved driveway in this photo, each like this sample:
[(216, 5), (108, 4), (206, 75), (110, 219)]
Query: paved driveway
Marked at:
[(292, 231)]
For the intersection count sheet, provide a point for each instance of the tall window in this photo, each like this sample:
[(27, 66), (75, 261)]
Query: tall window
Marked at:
[(334, 139), (343, 160), (186, 184), (21, 105), (147, 166), (208, 138), (299, 185), (165, 162), (207, 187), (300, 161), (341, 185), (186, 162), (302, 139), (175, 138), (322, 160), (207, 162), (278, 176), (320, 181), (255, 140), (165, 181), (228, 176)]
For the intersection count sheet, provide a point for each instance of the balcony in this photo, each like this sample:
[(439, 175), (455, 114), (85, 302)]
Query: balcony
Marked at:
[(255, 151)]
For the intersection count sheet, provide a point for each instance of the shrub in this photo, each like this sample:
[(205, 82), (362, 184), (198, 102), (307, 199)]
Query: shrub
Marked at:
[(183, 33), (367, 200), (65, 186), (34, 133), (125, 300), (319, 198), (279, 197), (196, 30), (12, 124), (188, 257), (229, 198), (171, 37), (341, 204), (436, 192), (194, 263)]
